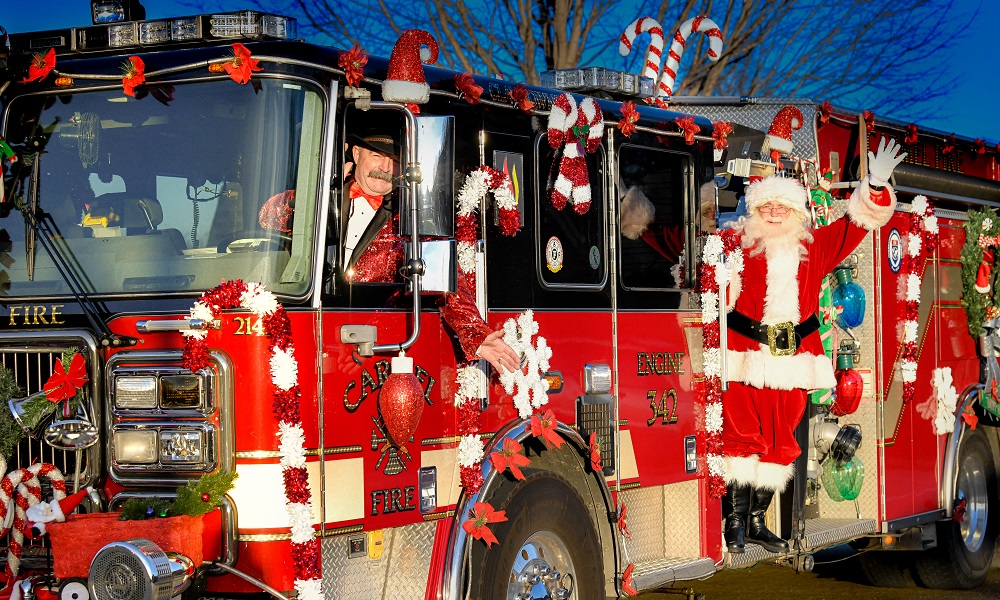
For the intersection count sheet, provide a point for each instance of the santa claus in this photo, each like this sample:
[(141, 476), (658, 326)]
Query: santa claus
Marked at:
[(774, 350)]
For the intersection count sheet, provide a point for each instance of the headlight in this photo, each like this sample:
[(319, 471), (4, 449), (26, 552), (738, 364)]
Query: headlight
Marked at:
[(185, 447), (161, 390), (135, 447), (137, 392)]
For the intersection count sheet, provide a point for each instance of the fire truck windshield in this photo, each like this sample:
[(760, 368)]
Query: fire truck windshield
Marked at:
[(172, 191)]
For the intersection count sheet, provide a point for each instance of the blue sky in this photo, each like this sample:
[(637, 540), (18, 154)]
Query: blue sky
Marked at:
[(970, 109)]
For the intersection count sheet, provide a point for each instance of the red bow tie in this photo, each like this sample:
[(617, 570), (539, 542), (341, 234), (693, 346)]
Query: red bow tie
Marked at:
[(375, 201)]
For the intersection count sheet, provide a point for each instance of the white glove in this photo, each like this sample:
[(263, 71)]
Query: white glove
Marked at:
[(881, 164)]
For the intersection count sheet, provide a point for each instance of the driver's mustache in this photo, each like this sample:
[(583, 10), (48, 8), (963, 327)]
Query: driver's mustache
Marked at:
[(376, 174)]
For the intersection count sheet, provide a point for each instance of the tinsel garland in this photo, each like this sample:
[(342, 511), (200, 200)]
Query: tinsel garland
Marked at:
[(479, 182), (713, 275), (922, 240), (981, 231), (291, 437)]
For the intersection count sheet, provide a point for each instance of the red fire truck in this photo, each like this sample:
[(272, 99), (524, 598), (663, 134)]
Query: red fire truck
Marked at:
[(121, 210)]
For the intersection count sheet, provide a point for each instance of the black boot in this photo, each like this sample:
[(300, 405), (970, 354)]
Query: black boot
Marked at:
[(757, 531), (735, 506)]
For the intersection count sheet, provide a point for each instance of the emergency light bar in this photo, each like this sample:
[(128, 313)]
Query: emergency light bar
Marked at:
[(598, 78), (247, 24)]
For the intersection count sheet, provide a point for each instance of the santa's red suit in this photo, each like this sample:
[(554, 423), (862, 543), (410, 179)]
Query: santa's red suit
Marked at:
[(767, 394), (380, 254)]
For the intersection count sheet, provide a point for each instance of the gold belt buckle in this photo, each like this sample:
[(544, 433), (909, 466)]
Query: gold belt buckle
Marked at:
[(772, 333)]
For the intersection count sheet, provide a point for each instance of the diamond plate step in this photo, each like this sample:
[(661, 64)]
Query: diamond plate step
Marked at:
[(820, 533), (654, 574)]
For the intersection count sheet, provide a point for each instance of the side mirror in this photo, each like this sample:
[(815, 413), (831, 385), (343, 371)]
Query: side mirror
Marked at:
[(440, 258), (435, 153)]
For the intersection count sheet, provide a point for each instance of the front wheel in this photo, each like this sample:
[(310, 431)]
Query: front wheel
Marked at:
[(965, 547), (548, 548)]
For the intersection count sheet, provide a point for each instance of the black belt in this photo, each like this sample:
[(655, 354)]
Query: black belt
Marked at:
[(775, 336)]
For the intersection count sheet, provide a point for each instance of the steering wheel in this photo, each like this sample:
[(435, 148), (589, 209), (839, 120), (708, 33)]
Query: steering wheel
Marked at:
[(254, 240)]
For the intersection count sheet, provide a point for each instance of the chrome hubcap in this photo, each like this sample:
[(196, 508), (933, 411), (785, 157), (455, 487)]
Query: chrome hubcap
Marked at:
[(972, 488), (543, 569)]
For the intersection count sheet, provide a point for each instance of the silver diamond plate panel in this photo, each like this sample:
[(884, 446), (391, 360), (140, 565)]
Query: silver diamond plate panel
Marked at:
[(400, 573), (752, 554), (660, 573), (821, 533), (758, 114), (664, 521)]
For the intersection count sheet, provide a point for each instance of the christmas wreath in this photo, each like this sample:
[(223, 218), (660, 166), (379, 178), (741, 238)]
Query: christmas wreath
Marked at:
[(982, 236)]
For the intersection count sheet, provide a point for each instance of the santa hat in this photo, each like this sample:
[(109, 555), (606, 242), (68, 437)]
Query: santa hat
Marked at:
[(780, 190), (779, 136), (404, 81), (46, 512)]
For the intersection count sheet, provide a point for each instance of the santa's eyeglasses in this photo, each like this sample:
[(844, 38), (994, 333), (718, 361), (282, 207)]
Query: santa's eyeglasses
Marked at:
[(773, 209)]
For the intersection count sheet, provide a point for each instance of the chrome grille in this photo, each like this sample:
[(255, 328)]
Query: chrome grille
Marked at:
[(32, 358)]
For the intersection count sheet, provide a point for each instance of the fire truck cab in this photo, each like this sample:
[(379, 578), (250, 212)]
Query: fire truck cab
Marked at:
[(121, 209)]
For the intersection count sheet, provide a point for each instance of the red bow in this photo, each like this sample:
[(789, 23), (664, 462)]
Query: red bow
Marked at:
[(911, 134), (520, 96), (688, 126), (466, 85), (41, 66), (720, 133), (353, 63), (62, 385), (980, 147), (629, 117), (825, 110), (949, 145), (869, 117), (373, 200)]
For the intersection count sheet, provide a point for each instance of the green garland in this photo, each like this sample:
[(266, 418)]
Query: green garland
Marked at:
[(196, 498), (978, 307)]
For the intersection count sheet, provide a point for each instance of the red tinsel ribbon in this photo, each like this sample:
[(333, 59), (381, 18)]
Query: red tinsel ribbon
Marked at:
[(720, 134), (629, 118), (688, 126), (467, 88), (353, 63)]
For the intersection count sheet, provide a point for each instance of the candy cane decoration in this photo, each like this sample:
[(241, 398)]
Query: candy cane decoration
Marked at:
[(580, 129), (20, 490), (702, 24), (652, 27)]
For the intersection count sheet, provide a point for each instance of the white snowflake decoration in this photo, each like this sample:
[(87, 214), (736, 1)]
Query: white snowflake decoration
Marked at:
[(528, 389)]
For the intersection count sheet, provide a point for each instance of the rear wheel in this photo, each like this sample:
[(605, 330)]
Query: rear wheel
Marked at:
[(548, 548), (887, 569), (965, 547)]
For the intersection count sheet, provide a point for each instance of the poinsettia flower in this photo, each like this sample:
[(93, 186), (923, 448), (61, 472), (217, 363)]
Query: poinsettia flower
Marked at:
[(629, 118), (623, 523), (466, 86), (688, 126), (979, 147), (41, 66), (720, 134), (63, 384), (869, 119), (353, 63), (825, 112), (510, 457), (911, 134), (595, 453), (480, 516), (949, 145), (241, 65), (544, 427), (135, 75), (627, 586), (520, 96)]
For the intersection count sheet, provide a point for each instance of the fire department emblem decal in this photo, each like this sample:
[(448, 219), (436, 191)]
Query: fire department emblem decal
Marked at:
[(393, 458), (894, 250)]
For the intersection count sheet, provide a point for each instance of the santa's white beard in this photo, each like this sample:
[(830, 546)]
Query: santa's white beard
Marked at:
[(761, 236)]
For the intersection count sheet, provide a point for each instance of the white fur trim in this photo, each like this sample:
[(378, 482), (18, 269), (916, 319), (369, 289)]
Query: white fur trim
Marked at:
[(781, 300), (866, 213), (398, 90), (425, 54), (735, 287), (776, 142), (760, 369), (741, 470), (775, 188), (772, 476), (636, 213)]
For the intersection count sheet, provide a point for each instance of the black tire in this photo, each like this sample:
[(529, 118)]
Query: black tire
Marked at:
[(965, 549), (548, 525), (887, 569)]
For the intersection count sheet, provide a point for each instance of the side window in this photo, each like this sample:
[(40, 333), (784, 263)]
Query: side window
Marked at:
[(570, 247), (653, 228)]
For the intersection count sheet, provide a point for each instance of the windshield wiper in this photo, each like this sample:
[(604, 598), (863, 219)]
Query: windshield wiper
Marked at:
[(41, 230)]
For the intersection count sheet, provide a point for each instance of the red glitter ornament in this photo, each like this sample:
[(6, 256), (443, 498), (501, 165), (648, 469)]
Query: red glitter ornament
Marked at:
[(401, 401), (849, 387), (779, 135), (206, 497)]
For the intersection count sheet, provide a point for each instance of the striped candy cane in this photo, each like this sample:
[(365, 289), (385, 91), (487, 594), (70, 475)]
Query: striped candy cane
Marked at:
[(654, 53), (20, 490), (702, 24)]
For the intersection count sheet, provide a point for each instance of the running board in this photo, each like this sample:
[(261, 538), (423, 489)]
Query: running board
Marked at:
[(820, 533), (655, 574)]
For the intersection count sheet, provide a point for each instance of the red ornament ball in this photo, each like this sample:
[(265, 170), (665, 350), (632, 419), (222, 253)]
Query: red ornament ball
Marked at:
[(206, 497)]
